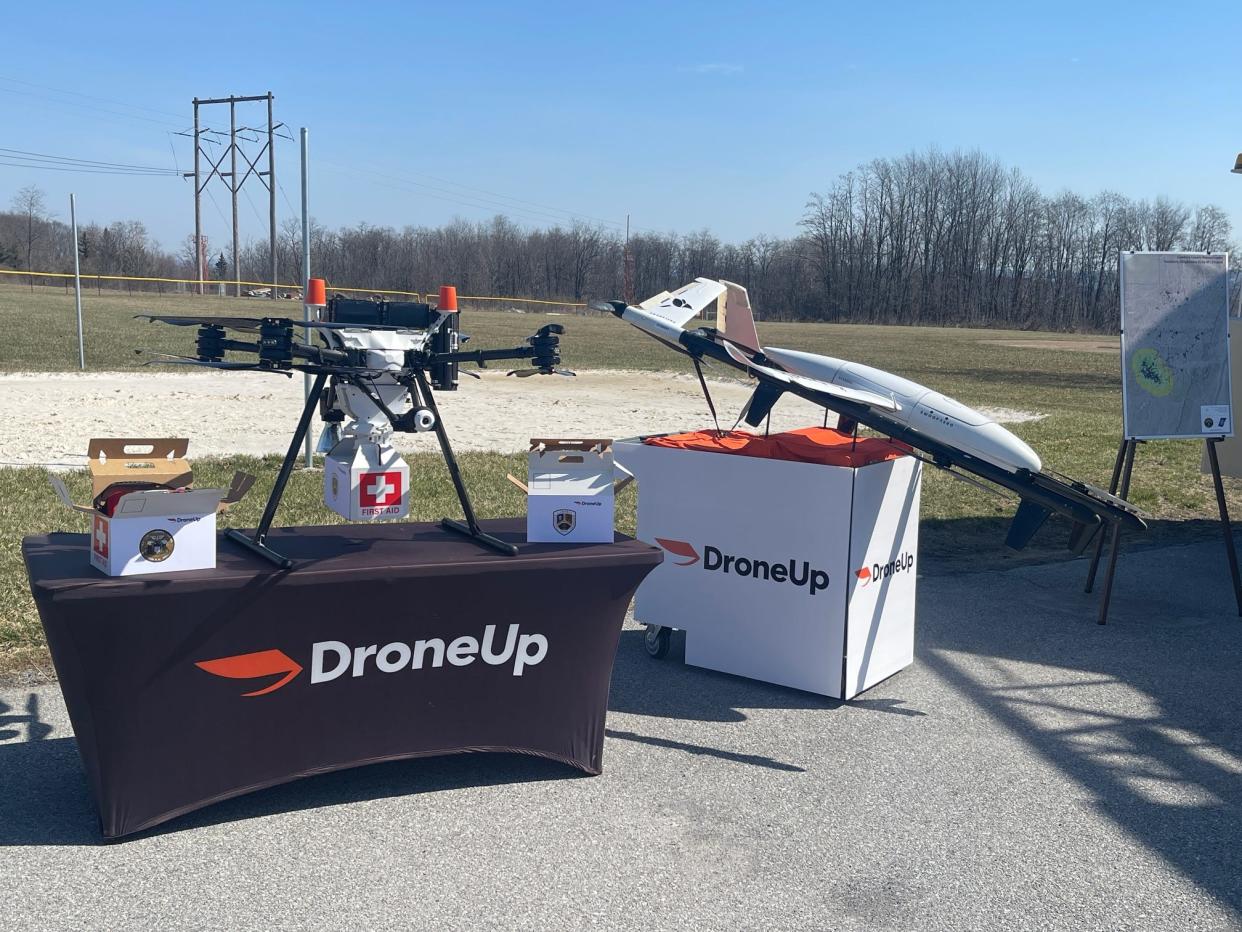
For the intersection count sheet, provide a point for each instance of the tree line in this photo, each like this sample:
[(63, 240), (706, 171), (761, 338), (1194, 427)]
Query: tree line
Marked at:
[(927, 238)]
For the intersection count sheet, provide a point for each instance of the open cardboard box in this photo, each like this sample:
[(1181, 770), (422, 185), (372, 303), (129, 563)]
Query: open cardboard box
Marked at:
[(151, 530), (570, 491)]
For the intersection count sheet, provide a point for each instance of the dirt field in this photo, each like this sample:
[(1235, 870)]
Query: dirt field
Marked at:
[(1076, 345), (53, 415)]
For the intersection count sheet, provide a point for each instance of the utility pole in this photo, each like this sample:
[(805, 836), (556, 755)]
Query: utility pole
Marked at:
[(199, 258), (232, 180), (271, 192), (77, 278), (306, 258), (627, 287), (233, 190)]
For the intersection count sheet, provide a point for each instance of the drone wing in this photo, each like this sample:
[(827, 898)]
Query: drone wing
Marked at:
[(684, 304), (858, 396)]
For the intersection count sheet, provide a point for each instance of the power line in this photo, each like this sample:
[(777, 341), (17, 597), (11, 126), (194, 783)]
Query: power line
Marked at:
[(91, 109), (453, 196), (85, 171), (293, 210), (83, 163), (507, 197), (107, 100)]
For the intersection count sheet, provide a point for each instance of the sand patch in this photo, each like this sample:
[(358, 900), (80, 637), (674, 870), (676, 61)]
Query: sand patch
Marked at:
[(1093, 345), (50, 417), (1011, 415)]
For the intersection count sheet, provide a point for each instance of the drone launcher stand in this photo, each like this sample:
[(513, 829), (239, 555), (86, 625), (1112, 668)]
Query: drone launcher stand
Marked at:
[(1120, 485), (256, 543)]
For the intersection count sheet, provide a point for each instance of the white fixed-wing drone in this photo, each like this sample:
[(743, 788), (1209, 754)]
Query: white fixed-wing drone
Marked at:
[(954, 436)]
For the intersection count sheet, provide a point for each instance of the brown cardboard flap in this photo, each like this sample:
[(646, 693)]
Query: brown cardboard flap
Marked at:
[(179, 482), (239, 485), (159, 460), (625, 480), (547, 445), (114, 448), (63, 493)]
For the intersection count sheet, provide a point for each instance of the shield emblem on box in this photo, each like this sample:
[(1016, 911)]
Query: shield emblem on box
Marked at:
[(564, 520)]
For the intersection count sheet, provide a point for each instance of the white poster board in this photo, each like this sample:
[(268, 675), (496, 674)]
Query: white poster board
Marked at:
[(1175, 345)]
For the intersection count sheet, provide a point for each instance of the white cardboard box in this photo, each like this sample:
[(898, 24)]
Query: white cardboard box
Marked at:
[(570, 492), (793, 573), (156, 530), (364, 481)]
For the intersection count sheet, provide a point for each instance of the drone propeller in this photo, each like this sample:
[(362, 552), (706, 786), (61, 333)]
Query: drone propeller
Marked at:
[(527, 373), (256, 323), (232, 323), (164, 359)]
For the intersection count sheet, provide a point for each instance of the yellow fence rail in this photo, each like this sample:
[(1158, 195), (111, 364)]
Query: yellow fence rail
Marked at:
[(217, 282)]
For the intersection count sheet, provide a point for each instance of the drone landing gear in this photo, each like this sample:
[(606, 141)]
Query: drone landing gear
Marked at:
[(470, 527), (257, 542)]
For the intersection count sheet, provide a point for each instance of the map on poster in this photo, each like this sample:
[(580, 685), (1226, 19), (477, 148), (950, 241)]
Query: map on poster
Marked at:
[(1175, 345)]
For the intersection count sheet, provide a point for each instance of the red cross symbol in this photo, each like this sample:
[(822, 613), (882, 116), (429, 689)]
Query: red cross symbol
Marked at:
[(99, 538), (378, 489)]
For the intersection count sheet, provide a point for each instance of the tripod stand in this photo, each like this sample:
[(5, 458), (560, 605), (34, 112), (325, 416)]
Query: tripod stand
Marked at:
[(1123, 470)]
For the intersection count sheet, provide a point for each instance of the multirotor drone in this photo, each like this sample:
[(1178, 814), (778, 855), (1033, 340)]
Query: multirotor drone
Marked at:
[(374, 375)]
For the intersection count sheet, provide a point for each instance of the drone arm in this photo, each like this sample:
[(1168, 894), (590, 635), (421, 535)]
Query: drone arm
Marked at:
[(543, 348), (481, 356)]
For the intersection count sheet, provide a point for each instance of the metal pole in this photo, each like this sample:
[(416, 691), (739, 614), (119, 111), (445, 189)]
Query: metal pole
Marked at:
[(198, 209), (1127, 470), (306, 311), (77, 279), (627, 271), (271, 192), (233, 188), (1223, 507)]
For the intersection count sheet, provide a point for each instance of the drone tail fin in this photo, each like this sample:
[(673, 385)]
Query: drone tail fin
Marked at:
[(684, 304), (734, 319)]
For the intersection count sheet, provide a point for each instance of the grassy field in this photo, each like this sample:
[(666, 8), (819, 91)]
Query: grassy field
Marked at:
[(1077, 391)]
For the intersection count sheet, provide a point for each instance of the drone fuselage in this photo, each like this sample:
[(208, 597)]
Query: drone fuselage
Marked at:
[(385, 351)]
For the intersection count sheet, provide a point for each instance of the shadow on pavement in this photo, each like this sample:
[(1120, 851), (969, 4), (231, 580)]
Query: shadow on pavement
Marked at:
[(45, 799), (669, 688), (1142, 714)]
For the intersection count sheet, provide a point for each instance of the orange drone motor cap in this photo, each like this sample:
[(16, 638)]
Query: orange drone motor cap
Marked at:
[(448, 299), (316, 292)]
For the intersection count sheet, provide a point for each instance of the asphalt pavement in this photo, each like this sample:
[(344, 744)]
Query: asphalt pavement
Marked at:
[(1031, 770)]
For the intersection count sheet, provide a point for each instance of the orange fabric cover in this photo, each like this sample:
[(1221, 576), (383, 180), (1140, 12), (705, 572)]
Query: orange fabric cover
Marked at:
[(821, 445)]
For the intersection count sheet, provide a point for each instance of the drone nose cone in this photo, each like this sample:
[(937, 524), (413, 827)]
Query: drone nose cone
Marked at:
[(998, 445)]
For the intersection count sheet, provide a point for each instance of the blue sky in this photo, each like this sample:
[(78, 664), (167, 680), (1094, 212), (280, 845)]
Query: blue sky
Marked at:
[(686, 115)]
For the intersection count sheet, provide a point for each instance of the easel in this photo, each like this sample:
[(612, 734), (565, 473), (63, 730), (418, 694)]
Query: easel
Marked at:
[(1123, 469)]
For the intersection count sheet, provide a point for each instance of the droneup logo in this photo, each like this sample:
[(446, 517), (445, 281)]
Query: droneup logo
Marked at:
[(880, 571), (331, 660), (714, 560)]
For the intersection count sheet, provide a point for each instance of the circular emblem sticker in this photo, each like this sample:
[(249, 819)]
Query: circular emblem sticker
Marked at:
[(156, 546)]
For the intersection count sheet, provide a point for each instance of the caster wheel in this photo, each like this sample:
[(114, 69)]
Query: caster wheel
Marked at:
[(657, 641)]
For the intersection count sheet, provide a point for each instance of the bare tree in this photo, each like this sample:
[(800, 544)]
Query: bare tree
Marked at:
[(29, 204)]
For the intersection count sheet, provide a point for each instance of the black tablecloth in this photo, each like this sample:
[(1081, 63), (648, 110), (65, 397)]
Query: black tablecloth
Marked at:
[(188, 688)]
